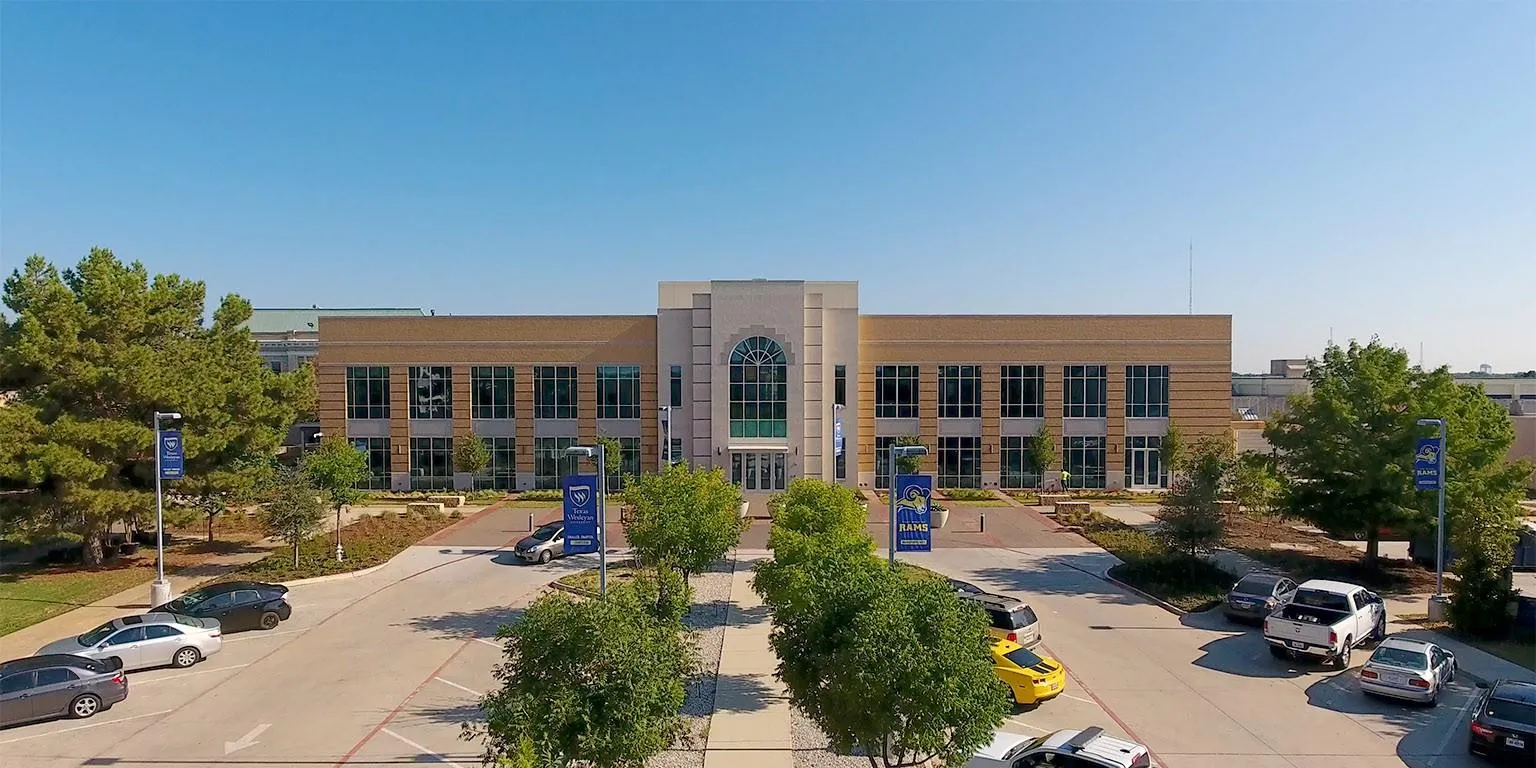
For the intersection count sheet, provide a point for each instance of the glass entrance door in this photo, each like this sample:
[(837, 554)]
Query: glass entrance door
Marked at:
[(1143, 463), (758, 470)]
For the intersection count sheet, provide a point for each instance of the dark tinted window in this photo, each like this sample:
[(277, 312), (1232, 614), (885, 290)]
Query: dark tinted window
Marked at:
[(1319, 599), (1513, 711), (547, 532), (16, 683), (96, 635), (1022, 657), (245, 596), (1018, 618), (1408, 658), (55, 676), (218, 602), (130, 635), (1255, 585), (161, 630)]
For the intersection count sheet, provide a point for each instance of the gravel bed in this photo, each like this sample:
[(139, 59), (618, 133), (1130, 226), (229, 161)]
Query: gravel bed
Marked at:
[(810, 746), (706, 621)]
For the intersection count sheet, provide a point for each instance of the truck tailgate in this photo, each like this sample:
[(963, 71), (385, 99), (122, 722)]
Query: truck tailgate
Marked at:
[(1292, 632)]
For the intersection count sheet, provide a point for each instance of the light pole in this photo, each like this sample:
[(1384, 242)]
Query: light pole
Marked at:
[(315, 439), (160, 589), (1440, 434), (588, 451), (666, 428), (899, 452)]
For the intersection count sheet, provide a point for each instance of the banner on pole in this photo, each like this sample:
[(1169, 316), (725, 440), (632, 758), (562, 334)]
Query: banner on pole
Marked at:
[(1428, 464), (914, 513), (172, 455), (581, 535), (837, 432)]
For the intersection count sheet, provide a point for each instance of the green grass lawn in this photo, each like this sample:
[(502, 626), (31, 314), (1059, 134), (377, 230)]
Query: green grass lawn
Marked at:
[(368, 542), (30, 596), (618, 573)]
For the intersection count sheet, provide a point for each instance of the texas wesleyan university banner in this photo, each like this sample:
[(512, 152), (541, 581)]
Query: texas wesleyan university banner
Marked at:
[(581, 536)]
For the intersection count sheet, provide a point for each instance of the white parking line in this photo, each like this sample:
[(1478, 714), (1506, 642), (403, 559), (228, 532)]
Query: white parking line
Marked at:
[(1027, 725), (188, 674), (87, 725), (491, 643), (469, 691), (419, 748), (1079, 698), (260, 635), (1453, 729)]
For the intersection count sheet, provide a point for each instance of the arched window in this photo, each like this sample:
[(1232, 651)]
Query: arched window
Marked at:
[(759, 389)]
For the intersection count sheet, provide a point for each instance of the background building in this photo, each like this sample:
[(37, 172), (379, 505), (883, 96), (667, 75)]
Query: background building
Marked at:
[(760, 377), (290, 337)]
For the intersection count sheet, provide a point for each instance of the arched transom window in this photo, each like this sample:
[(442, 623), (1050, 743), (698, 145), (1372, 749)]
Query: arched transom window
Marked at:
[(759, 389)]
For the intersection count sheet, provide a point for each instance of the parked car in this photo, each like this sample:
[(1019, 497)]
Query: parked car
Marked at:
[(149, 640), (1408, 669), (236, 605), (543, 545), (1504, 725), (58, 685), (1327, 620), (1086, 748), (1257, 595), (964, 587), (1030, 678), (1011, 619)]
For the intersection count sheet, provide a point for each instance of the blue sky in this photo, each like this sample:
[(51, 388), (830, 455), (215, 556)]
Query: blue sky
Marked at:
[(1365, 167)]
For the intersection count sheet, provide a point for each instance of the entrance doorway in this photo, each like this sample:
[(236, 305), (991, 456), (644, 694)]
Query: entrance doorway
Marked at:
[(758, 470), (1143, 463)]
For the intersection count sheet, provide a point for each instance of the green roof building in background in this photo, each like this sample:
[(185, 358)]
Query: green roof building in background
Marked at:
[(290, 337)]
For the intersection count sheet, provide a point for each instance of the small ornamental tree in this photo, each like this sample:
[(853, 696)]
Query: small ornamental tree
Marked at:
[(613, 460), (470, 456), (815, 520), (1253, 483), (336, 469), (682, 518), (1171, 450), (589, 683), (293, 511), (1190, 520), (908, 465), (1042, 452)]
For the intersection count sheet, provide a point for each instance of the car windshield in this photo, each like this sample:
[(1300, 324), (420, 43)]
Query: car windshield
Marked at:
[(1022, 748), (1255, 585), (547, 532), (1022, 657), (1407, 658), (96, 635), (1315, 598), (187, 602), (1512, 711)]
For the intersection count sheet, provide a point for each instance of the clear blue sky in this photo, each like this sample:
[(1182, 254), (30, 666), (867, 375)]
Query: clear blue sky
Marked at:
[(1369, 167)]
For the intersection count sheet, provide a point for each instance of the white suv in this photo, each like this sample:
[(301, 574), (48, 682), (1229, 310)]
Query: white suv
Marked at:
[(1087, 748)]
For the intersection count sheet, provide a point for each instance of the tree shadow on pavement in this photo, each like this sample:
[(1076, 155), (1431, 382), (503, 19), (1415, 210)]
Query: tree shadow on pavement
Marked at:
[(468, 625), (1423, 731), (741, 693), (449, 715), (1065, 574)]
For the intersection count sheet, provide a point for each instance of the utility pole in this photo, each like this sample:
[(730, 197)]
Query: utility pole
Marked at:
[(1191, 276)]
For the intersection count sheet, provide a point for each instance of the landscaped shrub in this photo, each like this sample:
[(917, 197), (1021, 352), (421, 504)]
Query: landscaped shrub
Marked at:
[(968, 494), (542, 494)]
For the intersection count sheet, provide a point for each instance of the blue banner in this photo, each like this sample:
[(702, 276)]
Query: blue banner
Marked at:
[(172, 453), (1428, 464), (837, 432), (914, 518), (581, 534)]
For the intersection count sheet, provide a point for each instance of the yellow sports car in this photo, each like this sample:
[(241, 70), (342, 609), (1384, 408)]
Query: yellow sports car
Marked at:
[(1030, 677)]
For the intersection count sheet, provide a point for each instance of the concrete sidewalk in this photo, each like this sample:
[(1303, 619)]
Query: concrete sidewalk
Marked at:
[(751, 723)]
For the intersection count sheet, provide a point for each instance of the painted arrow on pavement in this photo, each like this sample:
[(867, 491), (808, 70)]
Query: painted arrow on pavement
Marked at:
[(248, 740)]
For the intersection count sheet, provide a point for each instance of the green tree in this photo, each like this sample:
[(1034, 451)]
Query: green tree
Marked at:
[(613, 459), (470, 456), (90, 353), (216, 491), (293, 509), (1042, 451), (682, 518), (1171, 451), (1345, 449), (1253, 483), (890, 664), (592, 683), (336, 468), (908, 465), (815, 520), (1190, 520)]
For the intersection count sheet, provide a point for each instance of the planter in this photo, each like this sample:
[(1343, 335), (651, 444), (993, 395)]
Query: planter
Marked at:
[(940, 517), (743, 508)]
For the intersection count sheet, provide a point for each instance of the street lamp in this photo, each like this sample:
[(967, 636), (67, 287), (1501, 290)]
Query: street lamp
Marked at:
[(666, 446), (589, 451), (899, 452), (1437, 602), (160, 589)]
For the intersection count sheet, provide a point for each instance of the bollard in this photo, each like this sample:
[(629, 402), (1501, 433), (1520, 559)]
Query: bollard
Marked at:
[(983, 518), (530, 522)]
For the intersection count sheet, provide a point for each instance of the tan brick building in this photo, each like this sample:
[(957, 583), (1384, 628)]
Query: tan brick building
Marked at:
[(759, 377)]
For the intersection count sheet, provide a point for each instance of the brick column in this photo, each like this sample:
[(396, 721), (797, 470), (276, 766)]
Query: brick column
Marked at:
[(399, 418), (650, 421), (1053, 403), (928, 415), (522, 411), (331, 399), (864, 461), (1114, 439), (991, 420), (462, 400), (586, 404)]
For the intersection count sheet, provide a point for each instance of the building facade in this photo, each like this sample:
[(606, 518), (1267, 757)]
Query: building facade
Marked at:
[(771, 380)]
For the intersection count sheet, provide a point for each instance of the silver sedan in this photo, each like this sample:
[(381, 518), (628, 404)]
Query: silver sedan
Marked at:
[(148, 640), (1408, 669)]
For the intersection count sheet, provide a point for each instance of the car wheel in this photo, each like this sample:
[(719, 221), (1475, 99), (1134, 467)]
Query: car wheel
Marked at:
[(269, 620), (1451, 678), (544, 557), (186, 657), (1379, 632), (1277, 652), (84, 706), (1343, 658)]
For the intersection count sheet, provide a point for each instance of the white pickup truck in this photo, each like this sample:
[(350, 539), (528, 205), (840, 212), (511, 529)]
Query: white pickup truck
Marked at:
[(1326, 619)]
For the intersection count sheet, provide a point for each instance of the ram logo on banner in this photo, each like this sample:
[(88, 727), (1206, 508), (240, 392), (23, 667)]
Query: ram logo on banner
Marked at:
[(581, 534), (914, 516), (1428, 464), (172, 455)]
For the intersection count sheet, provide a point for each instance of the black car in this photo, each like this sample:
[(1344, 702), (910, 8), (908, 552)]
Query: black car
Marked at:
[(1505, 722), (237, 605), (58, 685)]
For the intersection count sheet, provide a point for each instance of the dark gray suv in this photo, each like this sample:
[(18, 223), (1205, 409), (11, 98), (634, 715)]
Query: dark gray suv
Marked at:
[(58, 685)]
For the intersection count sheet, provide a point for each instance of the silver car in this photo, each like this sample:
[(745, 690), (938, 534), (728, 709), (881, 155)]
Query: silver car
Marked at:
[(1408, 669), (543, 545), (149, 640)]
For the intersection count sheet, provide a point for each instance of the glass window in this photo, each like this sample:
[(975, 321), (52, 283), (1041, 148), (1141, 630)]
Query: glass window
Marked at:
[(554, 392), (96, 635), (1084, 392), (1144, 464), (1146, 391), (550, 464), (490, 388), (626, 463), (759, 389), (367, 392), (883, 461), (431, 392), (1407, 658), (501, 473), (55, 676), (840, 385), (1023, 657), (244, 596), (1023, 395), (677, 387), (1511, 710), (219, 602), (842, 465), (16, 683), (1084, 461), (896, 391), (960, 391), (1017, 466), (129, 635), (618, 391), (431, 463), (162, 631), (959, 462), (377, 450)]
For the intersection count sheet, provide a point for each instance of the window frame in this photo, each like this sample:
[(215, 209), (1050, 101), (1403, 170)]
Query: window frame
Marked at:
[(959, 391), (840, 385), (1084, 391), (1146, 391), (1016, 401), (499, 475), (1082, 448), (372, 447), (759, 367), (1018, 446), (442, 449), (370, 385), (492, 392), (618, 391), (955, 452), (437, 402), (553, 449), (675, 387), (897, 393), (556, 392)]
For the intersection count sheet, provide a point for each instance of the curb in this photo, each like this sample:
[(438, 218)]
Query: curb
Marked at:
[(578, 591), (1163, 604), (337, 576)]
